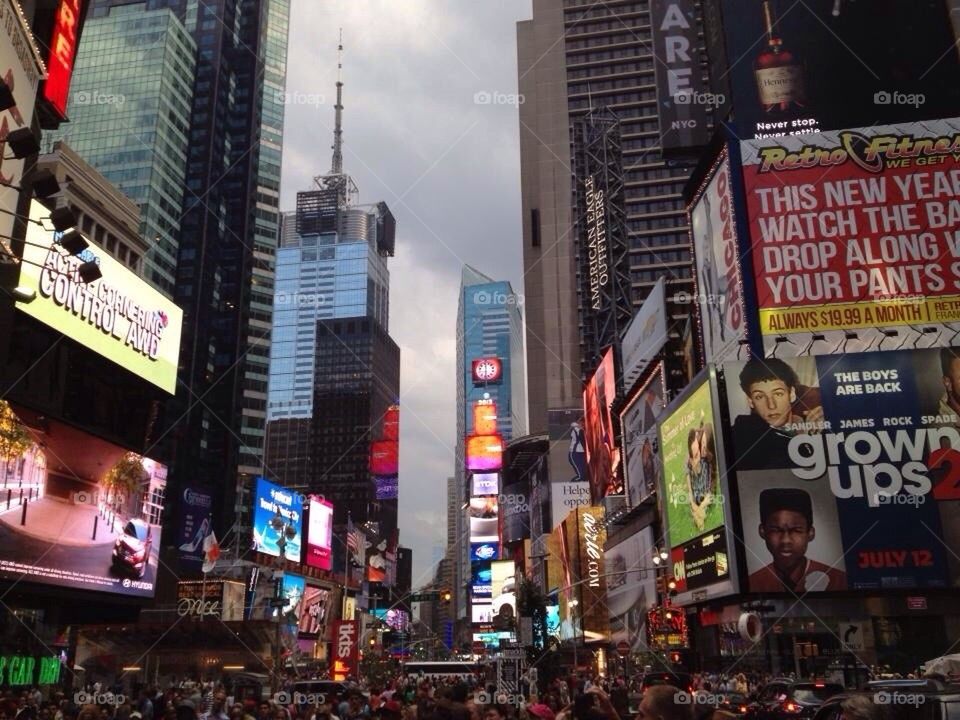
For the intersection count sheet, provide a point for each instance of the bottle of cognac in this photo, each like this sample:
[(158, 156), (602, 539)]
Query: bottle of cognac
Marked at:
[(779, 75)]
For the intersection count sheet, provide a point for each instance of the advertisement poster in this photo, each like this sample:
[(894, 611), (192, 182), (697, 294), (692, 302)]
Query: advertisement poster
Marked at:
[(119, 316), (196, 518), (568, 447), (631, 587), (591, 537), (293, 588), (638, 422), (277, 520), (855, 230), (313, 612), (515, 509), (345, 650), (74, 531), (817, 65), (646, 334), (484, 552), (482, 580), (503, 590), (565, 497), (603, 455), (694, 499), (847, 469), (719, 293), (485, 484), (319, 552), (484, 520)]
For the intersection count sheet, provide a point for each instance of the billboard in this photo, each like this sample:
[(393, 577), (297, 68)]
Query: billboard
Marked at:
[(592, 535), (487, 371), (387, 487), (515, 509), (683, 105), (314, 610), (484, 551), (67, 24), (631, 587), (64, 522), (219, 599), (646, 334), (485, 483), (277, 513), (816, 66), (484, 417), (503, 590), (567, 496), (854, 231), (638, 422), (481, 583), (846, 469), (346, 640), (319, 552), (693, 499), (603, 455), (484, 520), (384, 457), (484, 452), (719, 284), (196, 522), (119, 316), (22, 70), (292, 588)]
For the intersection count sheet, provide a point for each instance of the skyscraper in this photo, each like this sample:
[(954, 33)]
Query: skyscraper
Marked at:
[(490, 367), (334, 368), (573, 56), (129, 113)]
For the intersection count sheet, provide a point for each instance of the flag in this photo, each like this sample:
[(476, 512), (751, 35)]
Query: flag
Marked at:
[(356, 542), (211, 551)]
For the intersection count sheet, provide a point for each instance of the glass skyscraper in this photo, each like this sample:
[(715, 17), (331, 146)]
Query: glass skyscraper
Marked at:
[(129, 111)]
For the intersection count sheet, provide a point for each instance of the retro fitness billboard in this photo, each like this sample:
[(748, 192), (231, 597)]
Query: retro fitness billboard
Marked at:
[(848, 469), (855, 230), (638, 422), (603, 454), (719, 295), (119, 316)]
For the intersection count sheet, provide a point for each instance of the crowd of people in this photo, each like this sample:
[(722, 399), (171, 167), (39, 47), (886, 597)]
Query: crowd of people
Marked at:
[(576, 697)]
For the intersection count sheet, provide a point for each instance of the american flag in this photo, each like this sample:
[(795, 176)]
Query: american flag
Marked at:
[(355, 542)]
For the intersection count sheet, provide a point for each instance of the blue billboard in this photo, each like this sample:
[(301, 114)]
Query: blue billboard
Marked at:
[(277, 520)]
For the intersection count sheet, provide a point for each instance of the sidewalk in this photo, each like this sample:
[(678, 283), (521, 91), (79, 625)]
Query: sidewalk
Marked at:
[(60, 521)]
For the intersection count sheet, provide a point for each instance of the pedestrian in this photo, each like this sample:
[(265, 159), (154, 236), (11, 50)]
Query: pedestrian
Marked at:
[(661, 703)]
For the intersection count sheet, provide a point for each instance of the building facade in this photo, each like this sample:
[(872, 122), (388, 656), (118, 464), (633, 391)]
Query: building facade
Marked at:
[(129, 113)]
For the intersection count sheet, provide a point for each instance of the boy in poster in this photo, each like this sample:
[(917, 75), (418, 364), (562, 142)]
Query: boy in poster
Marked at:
[(786, 527)]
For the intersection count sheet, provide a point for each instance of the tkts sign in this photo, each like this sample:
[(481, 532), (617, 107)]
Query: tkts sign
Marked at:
[(345, 642)]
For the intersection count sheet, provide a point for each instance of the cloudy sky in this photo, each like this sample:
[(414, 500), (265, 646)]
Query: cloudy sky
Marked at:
[(448, 166)]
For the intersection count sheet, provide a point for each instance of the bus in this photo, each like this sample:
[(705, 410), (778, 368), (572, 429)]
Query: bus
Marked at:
[(430, 669)]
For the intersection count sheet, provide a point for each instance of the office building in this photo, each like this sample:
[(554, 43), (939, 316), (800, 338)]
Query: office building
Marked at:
[(573, 56), (129, 113)]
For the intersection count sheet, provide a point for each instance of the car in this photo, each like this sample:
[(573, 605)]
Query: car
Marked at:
[(921, 699), (131, 551), (680, 680), (785, 699)]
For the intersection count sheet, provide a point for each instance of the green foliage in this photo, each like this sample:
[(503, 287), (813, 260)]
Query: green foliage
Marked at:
[(126, 476), (15, 439)]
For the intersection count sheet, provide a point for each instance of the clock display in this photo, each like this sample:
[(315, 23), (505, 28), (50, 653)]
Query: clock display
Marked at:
[(486, 370)]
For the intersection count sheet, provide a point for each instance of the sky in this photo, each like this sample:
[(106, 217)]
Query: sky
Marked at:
[(430, 126)]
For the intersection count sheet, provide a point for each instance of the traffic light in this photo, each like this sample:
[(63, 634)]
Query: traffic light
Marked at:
[(675, 657), (671, 585), (446, 596)]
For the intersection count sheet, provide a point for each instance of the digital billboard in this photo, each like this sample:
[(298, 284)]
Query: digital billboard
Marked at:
[(346, 642), (603, 455), (292, 587), (484, 551), (631, 587), (119, 316), (854, 231), (384, 457), (277, 513), (394, 618), (504, 592), (196, 522), (693, 499), (719, 284), (846, 469), (485, 484), (487, 371), (314, 610), (484, 520), (67, 523), (646, 334), (515, 509), (484, 452), (481, 584), (592, 536), (67, 24), (319, 552), (638, 423), (815, 66), (387, 487), (484, 417)]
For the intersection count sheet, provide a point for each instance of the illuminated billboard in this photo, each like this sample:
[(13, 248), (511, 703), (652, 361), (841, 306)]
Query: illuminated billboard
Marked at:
[(319, 534), (487, 371), (384, 457), (314, 610), (484, 520), (119, 316), (196, 522), (65, 522), (847, 470), (484, 551), (631, 587), (504, 592), (484, 453), (603, 455), (277, 520), (484, 417), (67, 24), (638, 423), (485, 483)]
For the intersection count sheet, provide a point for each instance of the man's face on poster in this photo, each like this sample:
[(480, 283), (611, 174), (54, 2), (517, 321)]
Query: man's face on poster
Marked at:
[(951, 383), (787, 535), (773, 401)]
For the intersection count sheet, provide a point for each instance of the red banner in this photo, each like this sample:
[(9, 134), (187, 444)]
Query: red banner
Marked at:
[(345, 649)]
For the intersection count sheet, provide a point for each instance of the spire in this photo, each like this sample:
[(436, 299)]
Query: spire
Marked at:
[(337, 168)]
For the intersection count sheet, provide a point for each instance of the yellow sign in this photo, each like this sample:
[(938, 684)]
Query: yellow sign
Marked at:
[(118, 316), (911, 310)]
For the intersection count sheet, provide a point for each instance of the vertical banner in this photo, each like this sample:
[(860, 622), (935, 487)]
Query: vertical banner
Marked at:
[(638, 423), (345, 650), (196, 518), (603, 453)]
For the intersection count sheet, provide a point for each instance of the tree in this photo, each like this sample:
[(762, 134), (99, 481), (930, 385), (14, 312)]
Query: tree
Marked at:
[(124, 478), (15, 439)]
